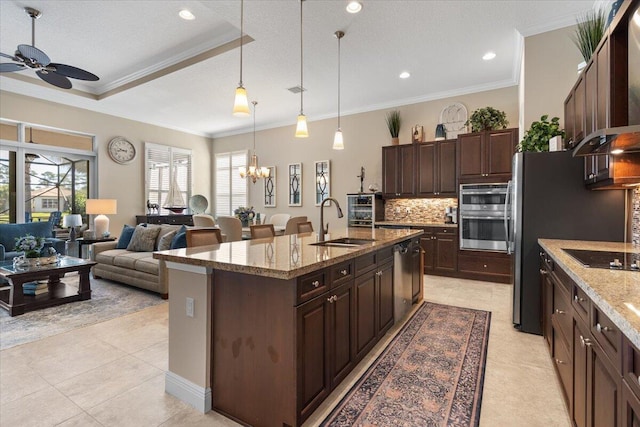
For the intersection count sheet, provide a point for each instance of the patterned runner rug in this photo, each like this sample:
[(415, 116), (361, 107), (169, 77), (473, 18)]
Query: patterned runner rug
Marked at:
[(431, 374), (108, 301)]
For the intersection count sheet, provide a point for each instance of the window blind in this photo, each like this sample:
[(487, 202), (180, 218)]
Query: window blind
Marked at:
[(231, 189)]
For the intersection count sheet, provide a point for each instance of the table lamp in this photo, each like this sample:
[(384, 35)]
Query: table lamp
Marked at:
[(101, 208), (72, 221)]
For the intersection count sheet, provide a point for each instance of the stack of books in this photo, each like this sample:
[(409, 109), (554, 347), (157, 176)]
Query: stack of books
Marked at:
[(35, 288)]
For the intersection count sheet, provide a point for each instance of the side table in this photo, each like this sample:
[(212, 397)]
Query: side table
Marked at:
[(84, 241)]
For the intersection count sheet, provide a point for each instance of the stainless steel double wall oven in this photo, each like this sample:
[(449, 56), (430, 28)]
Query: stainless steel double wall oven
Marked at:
[(484, 216)]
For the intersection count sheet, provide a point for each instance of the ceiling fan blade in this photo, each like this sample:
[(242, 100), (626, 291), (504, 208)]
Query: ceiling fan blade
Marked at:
[(8, 56), (74, 72), (8, 67), (54, 79), (34, 53)]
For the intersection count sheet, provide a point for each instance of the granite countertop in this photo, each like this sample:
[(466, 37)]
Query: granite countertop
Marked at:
[(416, 224), (285, 257), (615, 292)]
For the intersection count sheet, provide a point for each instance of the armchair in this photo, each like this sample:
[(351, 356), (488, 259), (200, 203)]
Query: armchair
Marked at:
[(10, 232)]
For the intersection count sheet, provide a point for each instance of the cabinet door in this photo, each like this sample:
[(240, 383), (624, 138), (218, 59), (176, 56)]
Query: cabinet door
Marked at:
[(416, 272), (500, 148), (341, 333), (428, 244), (630, 407), (390, 171), (579, 105), (313, 353), (385, 299), (547, 307), (569, 119), (427, 171), (603, 85), (365, 313), (446, 177), (580, 357), (446, 259), (603, 389), (407, 167), (591, 83), (470, 155)]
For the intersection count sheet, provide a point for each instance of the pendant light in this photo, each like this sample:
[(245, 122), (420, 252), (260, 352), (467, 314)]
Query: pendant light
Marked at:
[(255, 172), (338, 142), (241, 105), (301, 127)]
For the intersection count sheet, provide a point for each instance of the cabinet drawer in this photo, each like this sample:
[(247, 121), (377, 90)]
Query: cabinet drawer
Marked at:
[(444, 230), (483, 264), (562, 360), (608, 336), (561, 316), (384, 255), (341, 273), (365, 263), (311, 285), (631, 365), (580, 302)]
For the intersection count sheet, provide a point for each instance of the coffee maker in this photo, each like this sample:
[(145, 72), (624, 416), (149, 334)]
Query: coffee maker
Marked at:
[(451, 215)]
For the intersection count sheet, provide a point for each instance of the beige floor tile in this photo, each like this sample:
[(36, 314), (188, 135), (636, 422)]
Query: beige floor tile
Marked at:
[(144, 405), (46, 407), (155, 355), (192, 418), (98, 385), (135, 339), (19, 383), (81, 420)]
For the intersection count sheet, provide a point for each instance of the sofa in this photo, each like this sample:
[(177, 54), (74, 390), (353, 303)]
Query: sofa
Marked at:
[(10, 232), (120, 262)]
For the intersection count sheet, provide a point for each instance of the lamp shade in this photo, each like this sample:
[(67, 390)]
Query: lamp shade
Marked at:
[(73, 220), (301, 128), (102, 206), (440, 132)]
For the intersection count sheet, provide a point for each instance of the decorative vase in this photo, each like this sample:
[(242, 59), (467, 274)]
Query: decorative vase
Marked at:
[(395, 141), (245, 222)]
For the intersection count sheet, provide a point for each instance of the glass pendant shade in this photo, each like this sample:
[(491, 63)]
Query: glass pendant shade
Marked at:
[(301, 127), (338, 142), (241, 105), (243, 171)]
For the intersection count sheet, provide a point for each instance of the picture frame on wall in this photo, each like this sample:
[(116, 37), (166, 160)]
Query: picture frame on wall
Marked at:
[(270, 188), (295, 184), (322, 181)]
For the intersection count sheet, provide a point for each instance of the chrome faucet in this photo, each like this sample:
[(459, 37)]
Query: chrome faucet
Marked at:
[(324, 230)]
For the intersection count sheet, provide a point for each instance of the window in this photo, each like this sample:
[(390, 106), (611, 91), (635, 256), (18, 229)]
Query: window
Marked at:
[(166, 167), (49, 203), (231, 190)]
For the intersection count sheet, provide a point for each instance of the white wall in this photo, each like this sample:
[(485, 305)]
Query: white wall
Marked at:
[(122, 182), (364, 135)]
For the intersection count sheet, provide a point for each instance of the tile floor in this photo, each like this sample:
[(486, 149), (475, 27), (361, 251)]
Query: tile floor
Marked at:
[(112, 373)]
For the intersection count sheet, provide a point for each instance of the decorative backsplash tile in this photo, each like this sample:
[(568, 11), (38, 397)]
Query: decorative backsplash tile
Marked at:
[(635, 217), (417, 210)]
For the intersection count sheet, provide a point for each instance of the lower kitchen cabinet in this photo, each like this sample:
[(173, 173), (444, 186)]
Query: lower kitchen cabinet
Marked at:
[(417, 271), (484, 265), (630, 416), (384, 308), (440, 246)]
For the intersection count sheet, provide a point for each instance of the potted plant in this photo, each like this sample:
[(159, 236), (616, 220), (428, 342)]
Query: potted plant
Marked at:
[(589, 30), (393, 123), (487, 118), (244, 215), (538, 136)]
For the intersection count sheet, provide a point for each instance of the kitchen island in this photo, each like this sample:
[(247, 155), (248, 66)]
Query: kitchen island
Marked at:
[(263, 330)]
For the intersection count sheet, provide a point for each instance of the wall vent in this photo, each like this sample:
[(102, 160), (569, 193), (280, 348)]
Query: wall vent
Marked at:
[(296, 89)]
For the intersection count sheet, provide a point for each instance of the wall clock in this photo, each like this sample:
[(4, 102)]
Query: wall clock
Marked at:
[(121, 150), (454, 117)]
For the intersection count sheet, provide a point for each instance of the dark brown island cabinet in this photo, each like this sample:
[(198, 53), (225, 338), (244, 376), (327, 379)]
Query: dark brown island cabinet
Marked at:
[(486, 156), (598, 367)]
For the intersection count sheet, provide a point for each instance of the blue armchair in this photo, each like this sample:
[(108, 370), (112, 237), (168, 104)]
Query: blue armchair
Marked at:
[(10, 232)]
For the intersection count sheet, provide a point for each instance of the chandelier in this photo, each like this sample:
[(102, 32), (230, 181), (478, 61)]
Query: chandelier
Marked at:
[(254, 171)]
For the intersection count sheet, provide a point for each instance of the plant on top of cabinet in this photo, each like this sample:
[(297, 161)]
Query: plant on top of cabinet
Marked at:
[(487, 118), (393, 123), (589, 30), (538, 136)]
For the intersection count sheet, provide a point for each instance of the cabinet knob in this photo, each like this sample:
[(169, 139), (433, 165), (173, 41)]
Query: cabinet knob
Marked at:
[(315, 283), (485, 265), (576, 298), (601, 328), (543, 271), (332, 299), (344, 272), (444, 231), (559, 311), (560, 362)]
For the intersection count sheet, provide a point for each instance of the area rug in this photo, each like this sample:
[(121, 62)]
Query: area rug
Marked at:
[(431, 374), (108, 301)]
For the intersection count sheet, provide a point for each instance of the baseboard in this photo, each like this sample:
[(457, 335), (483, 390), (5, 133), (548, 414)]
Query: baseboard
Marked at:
[(185, 390)]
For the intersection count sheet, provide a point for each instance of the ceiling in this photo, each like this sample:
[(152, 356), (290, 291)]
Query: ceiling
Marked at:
[(440, 43)]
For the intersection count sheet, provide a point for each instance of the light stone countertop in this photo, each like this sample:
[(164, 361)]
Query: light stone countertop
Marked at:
[(285, 257), (416, 224), (615, 292)]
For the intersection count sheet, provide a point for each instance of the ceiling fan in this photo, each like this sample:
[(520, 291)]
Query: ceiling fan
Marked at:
[(28, 56)]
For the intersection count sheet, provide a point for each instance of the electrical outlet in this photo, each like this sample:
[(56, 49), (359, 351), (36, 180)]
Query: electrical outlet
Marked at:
[(190, 307), (407, 210)]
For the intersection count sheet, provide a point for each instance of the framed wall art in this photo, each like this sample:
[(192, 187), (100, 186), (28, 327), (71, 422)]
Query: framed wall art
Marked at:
[(323, 187), (270, 188), (295, 184)]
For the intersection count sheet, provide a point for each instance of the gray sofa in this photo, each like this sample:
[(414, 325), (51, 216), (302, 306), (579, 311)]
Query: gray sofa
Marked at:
[(138, 269), (10, 232)]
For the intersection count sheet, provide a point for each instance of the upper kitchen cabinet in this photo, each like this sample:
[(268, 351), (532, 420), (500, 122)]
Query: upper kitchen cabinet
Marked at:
[(398, 171), (436, 162), (486, 156)]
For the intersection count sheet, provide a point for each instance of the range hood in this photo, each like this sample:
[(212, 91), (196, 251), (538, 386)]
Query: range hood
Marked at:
[(610, 141)]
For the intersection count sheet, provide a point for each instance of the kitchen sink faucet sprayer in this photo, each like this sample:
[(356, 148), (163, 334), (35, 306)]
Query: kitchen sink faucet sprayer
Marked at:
[(324, 230)]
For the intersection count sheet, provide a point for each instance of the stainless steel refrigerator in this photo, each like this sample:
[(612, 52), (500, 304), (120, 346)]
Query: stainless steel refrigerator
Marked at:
[(548, 199)]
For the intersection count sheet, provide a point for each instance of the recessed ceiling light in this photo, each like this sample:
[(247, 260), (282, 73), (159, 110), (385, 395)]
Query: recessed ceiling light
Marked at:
[(186, 15), (489, 56), (404, 75), (354, 7)]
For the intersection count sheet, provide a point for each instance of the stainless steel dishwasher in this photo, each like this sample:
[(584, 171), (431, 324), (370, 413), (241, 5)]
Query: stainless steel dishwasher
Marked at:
[(402, 279)]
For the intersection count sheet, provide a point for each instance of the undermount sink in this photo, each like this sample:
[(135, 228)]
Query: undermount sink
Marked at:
[(344, 242)]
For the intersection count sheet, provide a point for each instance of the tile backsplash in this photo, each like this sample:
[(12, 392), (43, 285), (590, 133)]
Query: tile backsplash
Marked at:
[(417, 210)]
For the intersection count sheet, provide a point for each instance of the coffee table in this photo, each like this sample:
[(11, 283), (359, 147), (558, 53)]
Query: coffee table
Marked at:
[(13, 299)]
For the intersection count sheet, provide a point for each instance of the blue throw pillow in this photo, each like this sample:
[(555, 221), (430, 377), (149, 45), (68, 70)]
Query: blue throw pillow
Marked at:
[(125, 237), (180, 239)]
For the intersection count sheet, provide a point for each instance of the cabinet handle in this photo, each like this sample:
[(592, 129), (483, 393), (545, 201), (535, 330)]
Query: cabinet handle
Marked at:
[(543, 271), (560, 362), (581, 341), (601, 328), (315, 283), (587, 342), (559, 311), (638, 380), (343, 272), (332, 299), (578, 299)]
